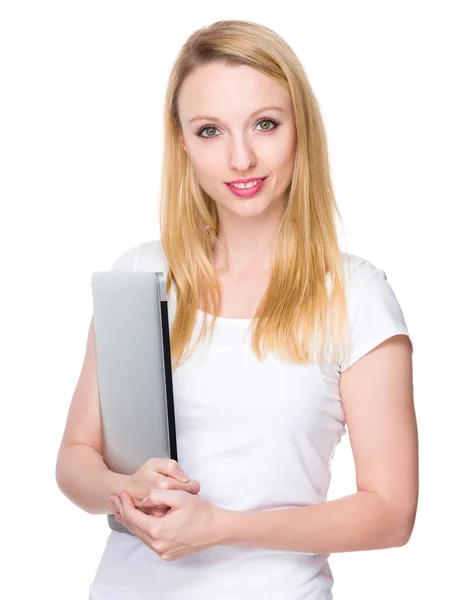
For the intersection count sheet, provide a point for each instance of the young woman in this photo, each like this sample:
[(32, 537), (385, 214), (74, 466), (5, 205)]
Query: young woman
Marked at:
[(279, 341)]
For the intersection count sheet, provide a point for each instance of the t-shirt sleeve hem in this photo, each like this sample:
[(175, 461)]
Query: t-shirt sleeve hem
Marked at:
[(373, 343)]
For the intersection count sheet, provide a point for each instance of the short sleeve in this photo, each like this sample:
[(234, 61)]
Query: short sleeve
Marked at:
[(126, 261), (146, 256), (375, 316)]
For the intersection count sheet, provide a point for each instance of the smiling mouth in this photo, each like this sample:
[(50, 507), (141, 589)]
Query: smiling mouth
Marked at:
[(245, 186)]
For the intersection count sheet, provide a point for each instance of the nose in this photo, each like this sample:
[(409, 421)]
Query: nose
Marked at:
[(242, 157)]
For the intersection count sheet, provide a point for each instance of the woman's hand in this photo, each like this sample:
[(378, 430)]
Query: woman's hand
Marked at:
[(162, 473), (191, 524)]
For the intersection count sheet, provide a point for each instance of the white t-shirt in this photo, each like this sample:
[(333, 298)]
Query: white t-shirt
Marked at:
[(257, 436)]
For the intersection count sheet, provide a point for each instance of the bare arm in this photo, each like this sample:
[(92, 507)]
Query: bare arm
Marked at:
[(81, 473), (377, 396)]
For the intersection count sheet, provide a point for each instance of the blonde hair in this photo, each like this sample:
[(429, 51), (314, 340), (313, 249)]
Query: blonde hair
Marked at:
[(296, 307)]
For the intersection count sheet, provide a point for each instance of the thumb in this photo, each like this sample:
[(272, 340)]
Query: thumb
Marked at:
[(159, 497), (181, 475)]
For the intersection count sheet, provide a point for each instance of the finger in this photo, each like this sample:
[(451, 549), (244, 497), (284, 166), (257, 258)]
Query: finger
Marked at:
[(169, 467), (155, 511), (113, 503), (138, 503), (120, 518), (131, 527), (168, 483), (117, 505), (192, 486), (134, 516), (169, 498)]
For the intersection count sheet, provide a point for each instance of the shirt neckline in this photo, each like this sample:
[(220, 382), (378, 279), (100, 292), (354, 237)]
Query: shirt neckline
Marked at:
[(226, 320)]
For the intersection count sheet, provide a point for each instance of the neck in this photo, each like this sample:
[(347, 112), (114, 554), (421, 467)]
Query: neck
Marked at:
[(248, 242)]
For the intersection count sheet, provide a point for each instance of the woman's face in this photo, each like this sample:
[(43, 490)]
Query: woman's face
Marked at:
[(237, 139)]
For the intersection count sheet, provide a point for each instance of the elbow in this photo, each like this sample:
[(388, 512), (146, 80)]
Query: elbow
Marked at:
[(399, 523), (59, 470), (61, 479), (405, 529), (405, 533), (62, 476)]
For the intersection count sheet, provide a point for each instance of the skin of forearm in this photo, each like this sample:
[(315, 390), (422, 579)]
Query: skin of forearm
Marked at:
[(83, 477), (361, 521)]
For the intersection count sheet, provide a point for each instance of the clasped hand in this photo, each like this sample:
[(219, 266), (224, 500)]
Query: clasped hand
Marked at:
[(191, 523)]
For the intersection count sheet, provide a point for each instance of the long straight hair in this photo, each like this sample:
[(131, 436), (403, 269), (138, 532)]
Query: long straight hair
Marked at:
[(299, 316)]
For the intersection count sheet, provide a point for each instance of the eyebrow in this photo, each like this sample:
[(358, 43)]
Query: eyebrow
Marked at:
[(199, 117)]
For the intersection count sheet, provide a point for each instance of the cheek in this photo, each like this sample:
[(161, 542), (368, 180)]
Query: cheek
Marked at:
[(209, 174), (282, 156), (284, 164), (207, 166)]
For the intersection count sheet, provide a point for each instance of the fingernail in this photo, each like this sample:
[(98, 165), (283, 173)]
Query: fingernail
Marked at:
[(118, 518), (145, 499), (183, 475)]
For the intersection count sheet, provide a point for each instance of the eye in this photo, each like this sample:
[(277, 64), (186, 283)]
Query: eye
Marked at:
[(268, 121), (211, 127), (206, 128)]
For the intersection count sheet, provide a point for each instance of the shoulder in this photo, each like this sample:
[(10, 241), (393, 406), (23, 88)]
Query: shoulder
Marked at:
[(357, 271), (359, 268), (146, 256), (374, 311)]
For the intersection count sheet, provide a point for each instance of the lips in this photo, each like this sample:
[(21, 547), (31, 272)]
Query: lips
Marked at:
[(246, 192), (249, 180)]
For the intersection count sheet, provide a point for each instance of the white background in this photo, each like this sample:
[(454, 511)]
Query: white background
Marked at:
[(80, 149)]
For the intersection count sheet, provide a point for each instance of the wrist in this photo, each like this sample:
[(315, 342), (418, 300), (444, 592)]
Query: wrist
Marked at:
[(115, 483), (228, 522)]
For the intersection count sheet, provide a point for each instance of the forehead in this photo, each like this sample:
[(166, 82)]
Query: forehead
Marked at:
[(229, 92)]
